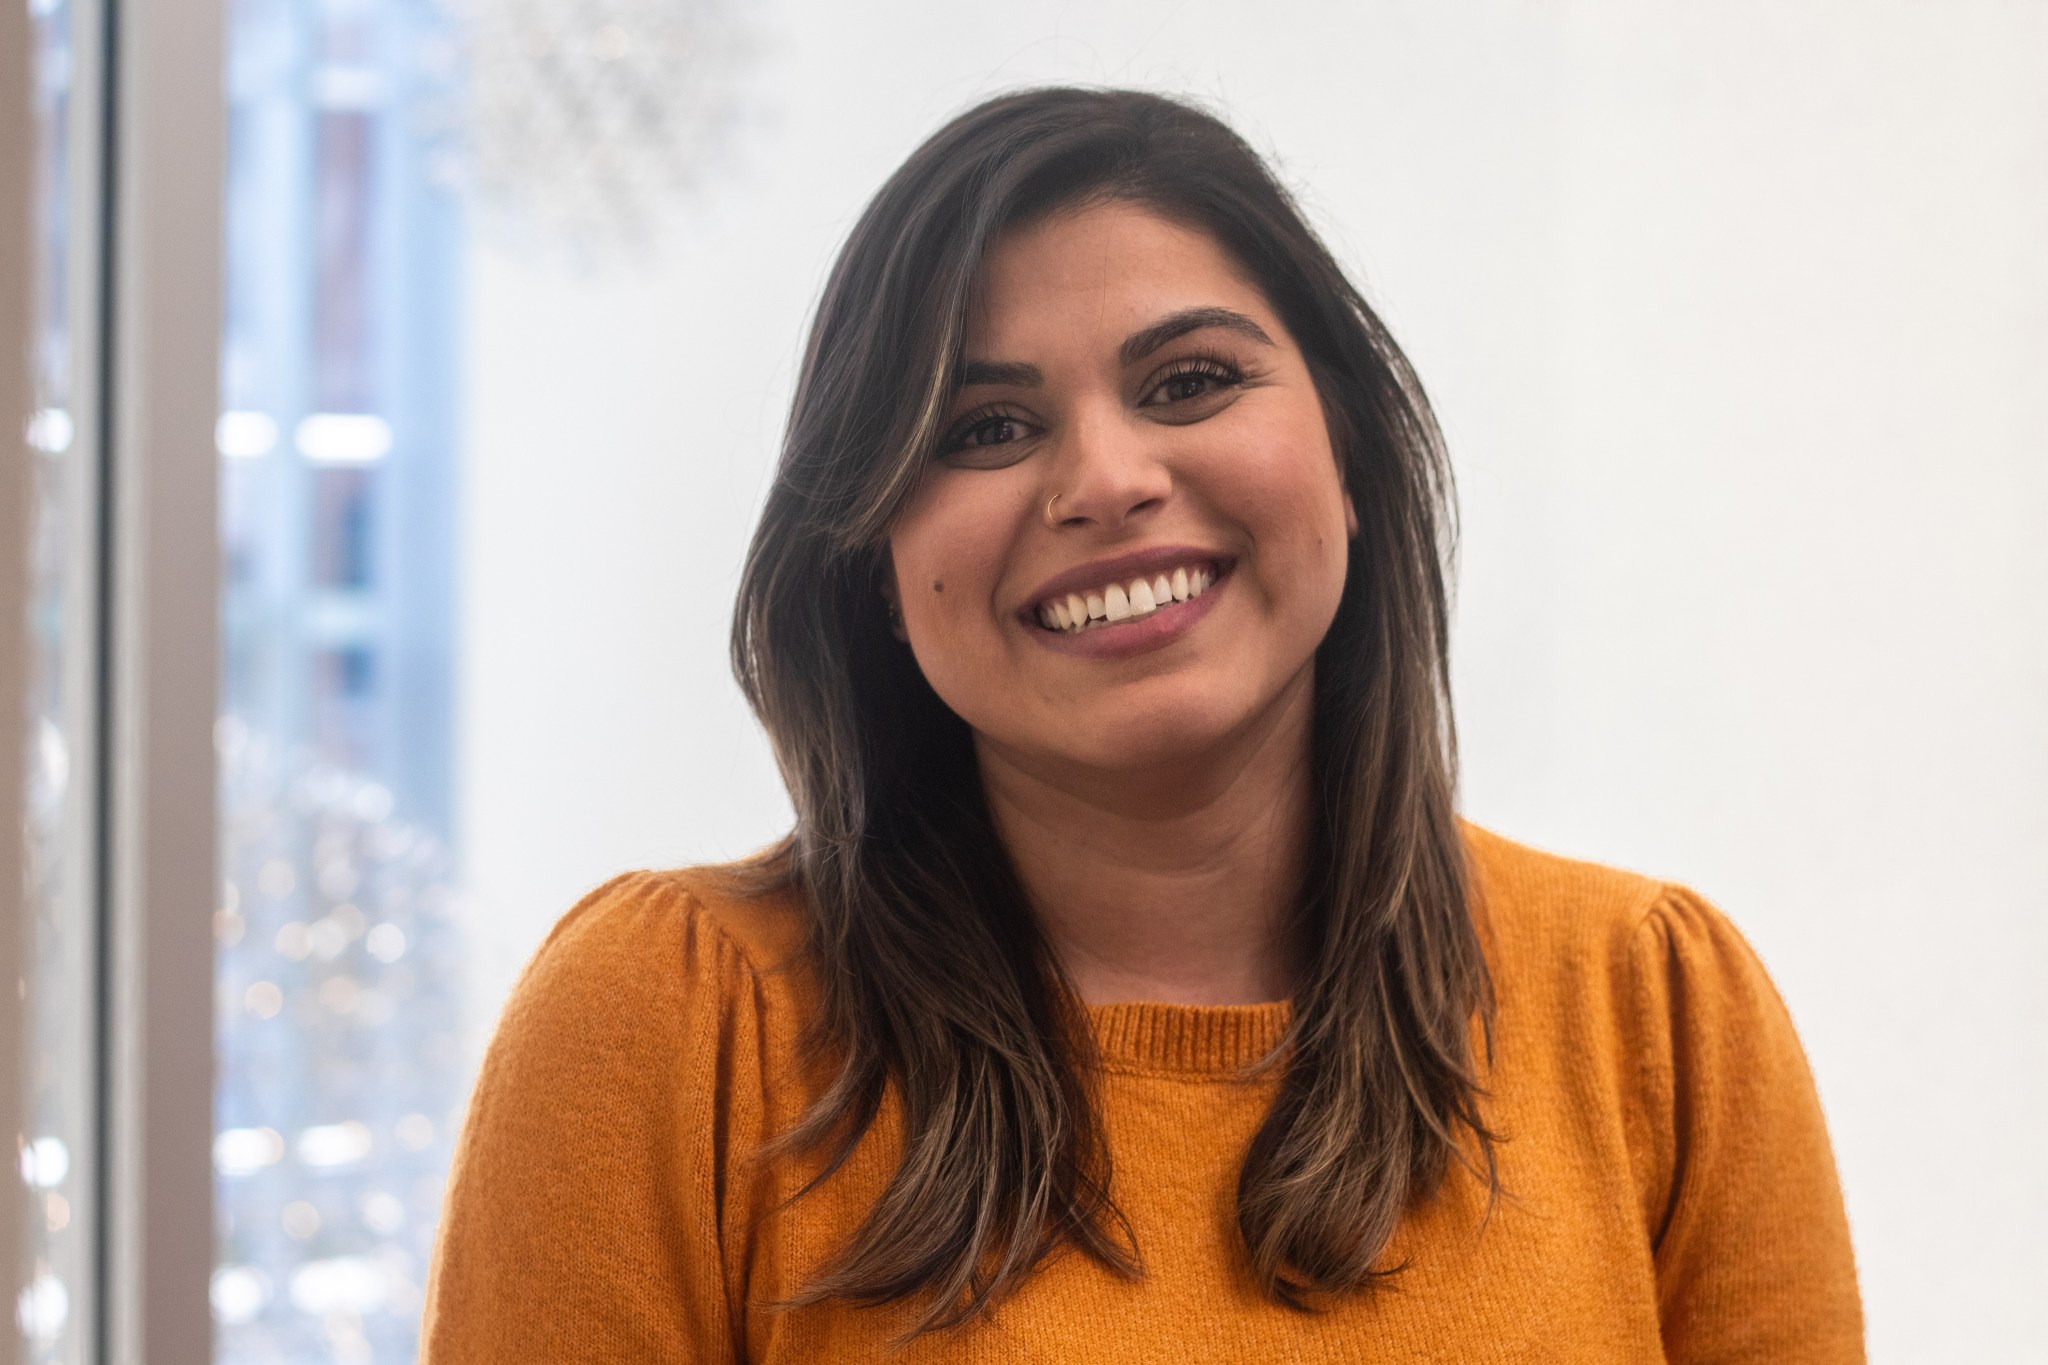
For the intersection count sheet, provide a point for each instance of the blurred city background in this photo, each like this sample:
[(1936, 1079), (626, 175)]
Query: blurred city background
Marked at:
[(341, 1054)]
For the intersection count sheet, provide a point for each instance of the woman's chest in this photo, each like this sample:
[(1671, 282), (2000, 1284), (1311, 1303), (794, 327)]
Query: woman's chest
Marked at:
[(1557, 1268)]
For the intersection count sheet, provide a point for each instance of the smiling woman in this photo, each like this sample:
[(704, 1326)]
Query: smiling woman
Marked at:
[(1098, 617), (1165, 418)]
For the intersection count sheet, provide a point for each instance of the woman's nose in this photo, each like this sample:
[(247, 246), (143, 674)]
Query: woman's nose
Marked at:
[(1107, 473)]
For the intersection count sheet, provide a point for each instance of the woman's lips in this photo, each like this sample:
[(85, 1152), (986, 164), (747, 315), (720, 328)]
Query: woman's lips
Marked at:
[(1123, 570), (1106, 605), (1134, 634)]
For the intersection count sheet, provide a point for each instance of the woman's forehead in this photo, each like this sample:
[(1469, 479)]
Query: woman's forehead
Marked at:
[(1093, 274)]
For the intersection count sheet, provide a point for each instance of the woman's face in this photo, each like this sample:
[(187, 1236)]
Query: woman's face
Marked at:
[(1120, 368)]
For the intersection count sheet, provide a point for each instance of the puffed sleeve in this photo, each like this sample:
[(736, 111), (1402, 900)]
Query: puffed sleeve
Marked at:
[(1751, 1242), (583, 1219)]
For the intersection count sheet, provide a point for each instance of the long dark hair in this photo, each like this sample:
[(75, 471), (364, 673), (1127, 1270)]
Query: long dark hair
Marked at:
[(934, 978)]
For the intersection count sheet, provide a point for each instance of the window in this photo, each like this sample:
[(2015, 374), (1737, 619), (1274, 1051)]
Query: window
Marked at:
[(339, 972), (57, 1160), (249, 567)]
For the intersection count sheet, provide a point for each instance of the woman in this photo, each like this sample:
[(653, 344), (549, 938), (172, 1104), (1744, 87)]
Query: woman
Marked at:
[(1128, 988)]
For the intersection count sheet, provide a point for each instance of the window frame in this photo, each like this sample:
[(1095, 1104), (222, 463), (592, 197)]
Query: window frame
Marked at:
[(146, 148), (161, 402)]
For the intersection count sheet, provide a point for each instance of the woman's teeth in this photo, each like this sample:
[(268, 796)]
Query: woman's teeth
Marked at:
[(1124, 601)]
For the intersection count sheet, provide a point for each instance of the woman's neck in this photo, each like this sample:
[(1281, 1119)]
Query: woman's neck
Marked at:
[(1173, 884)]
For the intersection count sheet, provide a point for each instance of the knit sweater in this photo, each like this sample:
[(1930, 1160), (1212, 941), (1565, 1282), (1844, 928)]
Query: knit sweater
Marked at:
[(1669, 1189)]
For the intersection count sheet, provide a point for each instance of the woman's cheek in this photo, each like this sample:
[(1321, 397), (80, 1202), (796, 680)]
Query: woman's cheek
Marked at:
[(947, 564), (1293, 511)]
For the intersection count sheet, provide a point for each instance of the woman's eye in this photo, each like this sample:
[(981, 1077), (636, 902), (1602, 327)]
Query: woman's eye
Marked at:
[(990, 440), (991, 431), (1201, 379)]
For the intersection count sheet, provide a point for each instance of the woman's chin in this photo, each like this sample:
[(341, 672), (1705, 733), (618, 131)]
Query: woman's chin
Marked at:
[(1141, 741)]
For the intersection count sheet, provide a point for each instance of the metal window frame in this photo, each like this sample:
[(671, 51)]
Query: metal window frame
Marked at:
[(147, 147), (147, 160), (161, 591)]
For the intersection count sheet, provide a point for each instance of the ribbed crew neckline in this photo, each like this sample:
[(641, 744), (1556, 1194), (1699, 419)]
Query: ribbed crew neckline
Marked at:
[(1196, 1040)]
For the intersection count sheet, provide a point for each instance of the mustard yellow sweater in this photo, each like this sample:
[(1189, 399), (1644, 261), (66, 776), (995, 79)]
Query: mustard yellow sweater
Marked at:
[(1671, 1193)]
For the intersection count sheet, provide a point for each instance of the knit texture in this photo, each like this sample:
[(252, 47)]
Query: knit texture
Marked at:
[(1670, 1193)]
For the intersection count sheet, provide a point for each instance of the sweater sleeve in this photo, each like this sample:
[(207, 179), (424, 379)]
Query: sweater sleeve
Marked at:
[(1751, 1242), (583, 1220)]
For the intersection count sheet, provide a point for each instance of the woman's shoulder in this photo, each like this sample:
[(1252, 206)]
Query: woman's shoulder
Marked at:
[(637, 1063), (740, 905), (700, 910), (1635, 1016), (1591, 961), (645, 952), (1565, 919)]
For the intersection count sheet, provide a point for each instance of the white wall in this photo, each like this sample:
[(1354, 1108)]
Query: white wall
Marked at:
[(1737, 318)]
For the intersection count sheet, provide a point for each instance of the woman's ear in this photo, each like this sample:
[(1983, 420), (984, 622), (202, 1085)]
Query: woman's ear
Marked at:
[(1350, 516)]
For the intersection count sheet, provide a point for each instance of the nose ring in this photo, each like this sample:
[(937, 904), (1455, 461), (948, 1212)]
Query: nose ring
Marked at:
[(1048, 512)]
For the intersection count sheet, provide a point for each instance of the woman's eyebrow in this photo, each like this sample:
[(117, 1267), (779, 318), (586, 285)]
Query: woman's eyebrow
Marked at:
[(1013, 372), (1140, 344), (1136, 346)]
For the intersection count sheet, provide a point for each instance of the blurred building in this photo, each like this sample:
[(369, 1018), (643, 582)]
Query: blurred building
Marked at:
[(339, 969)]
